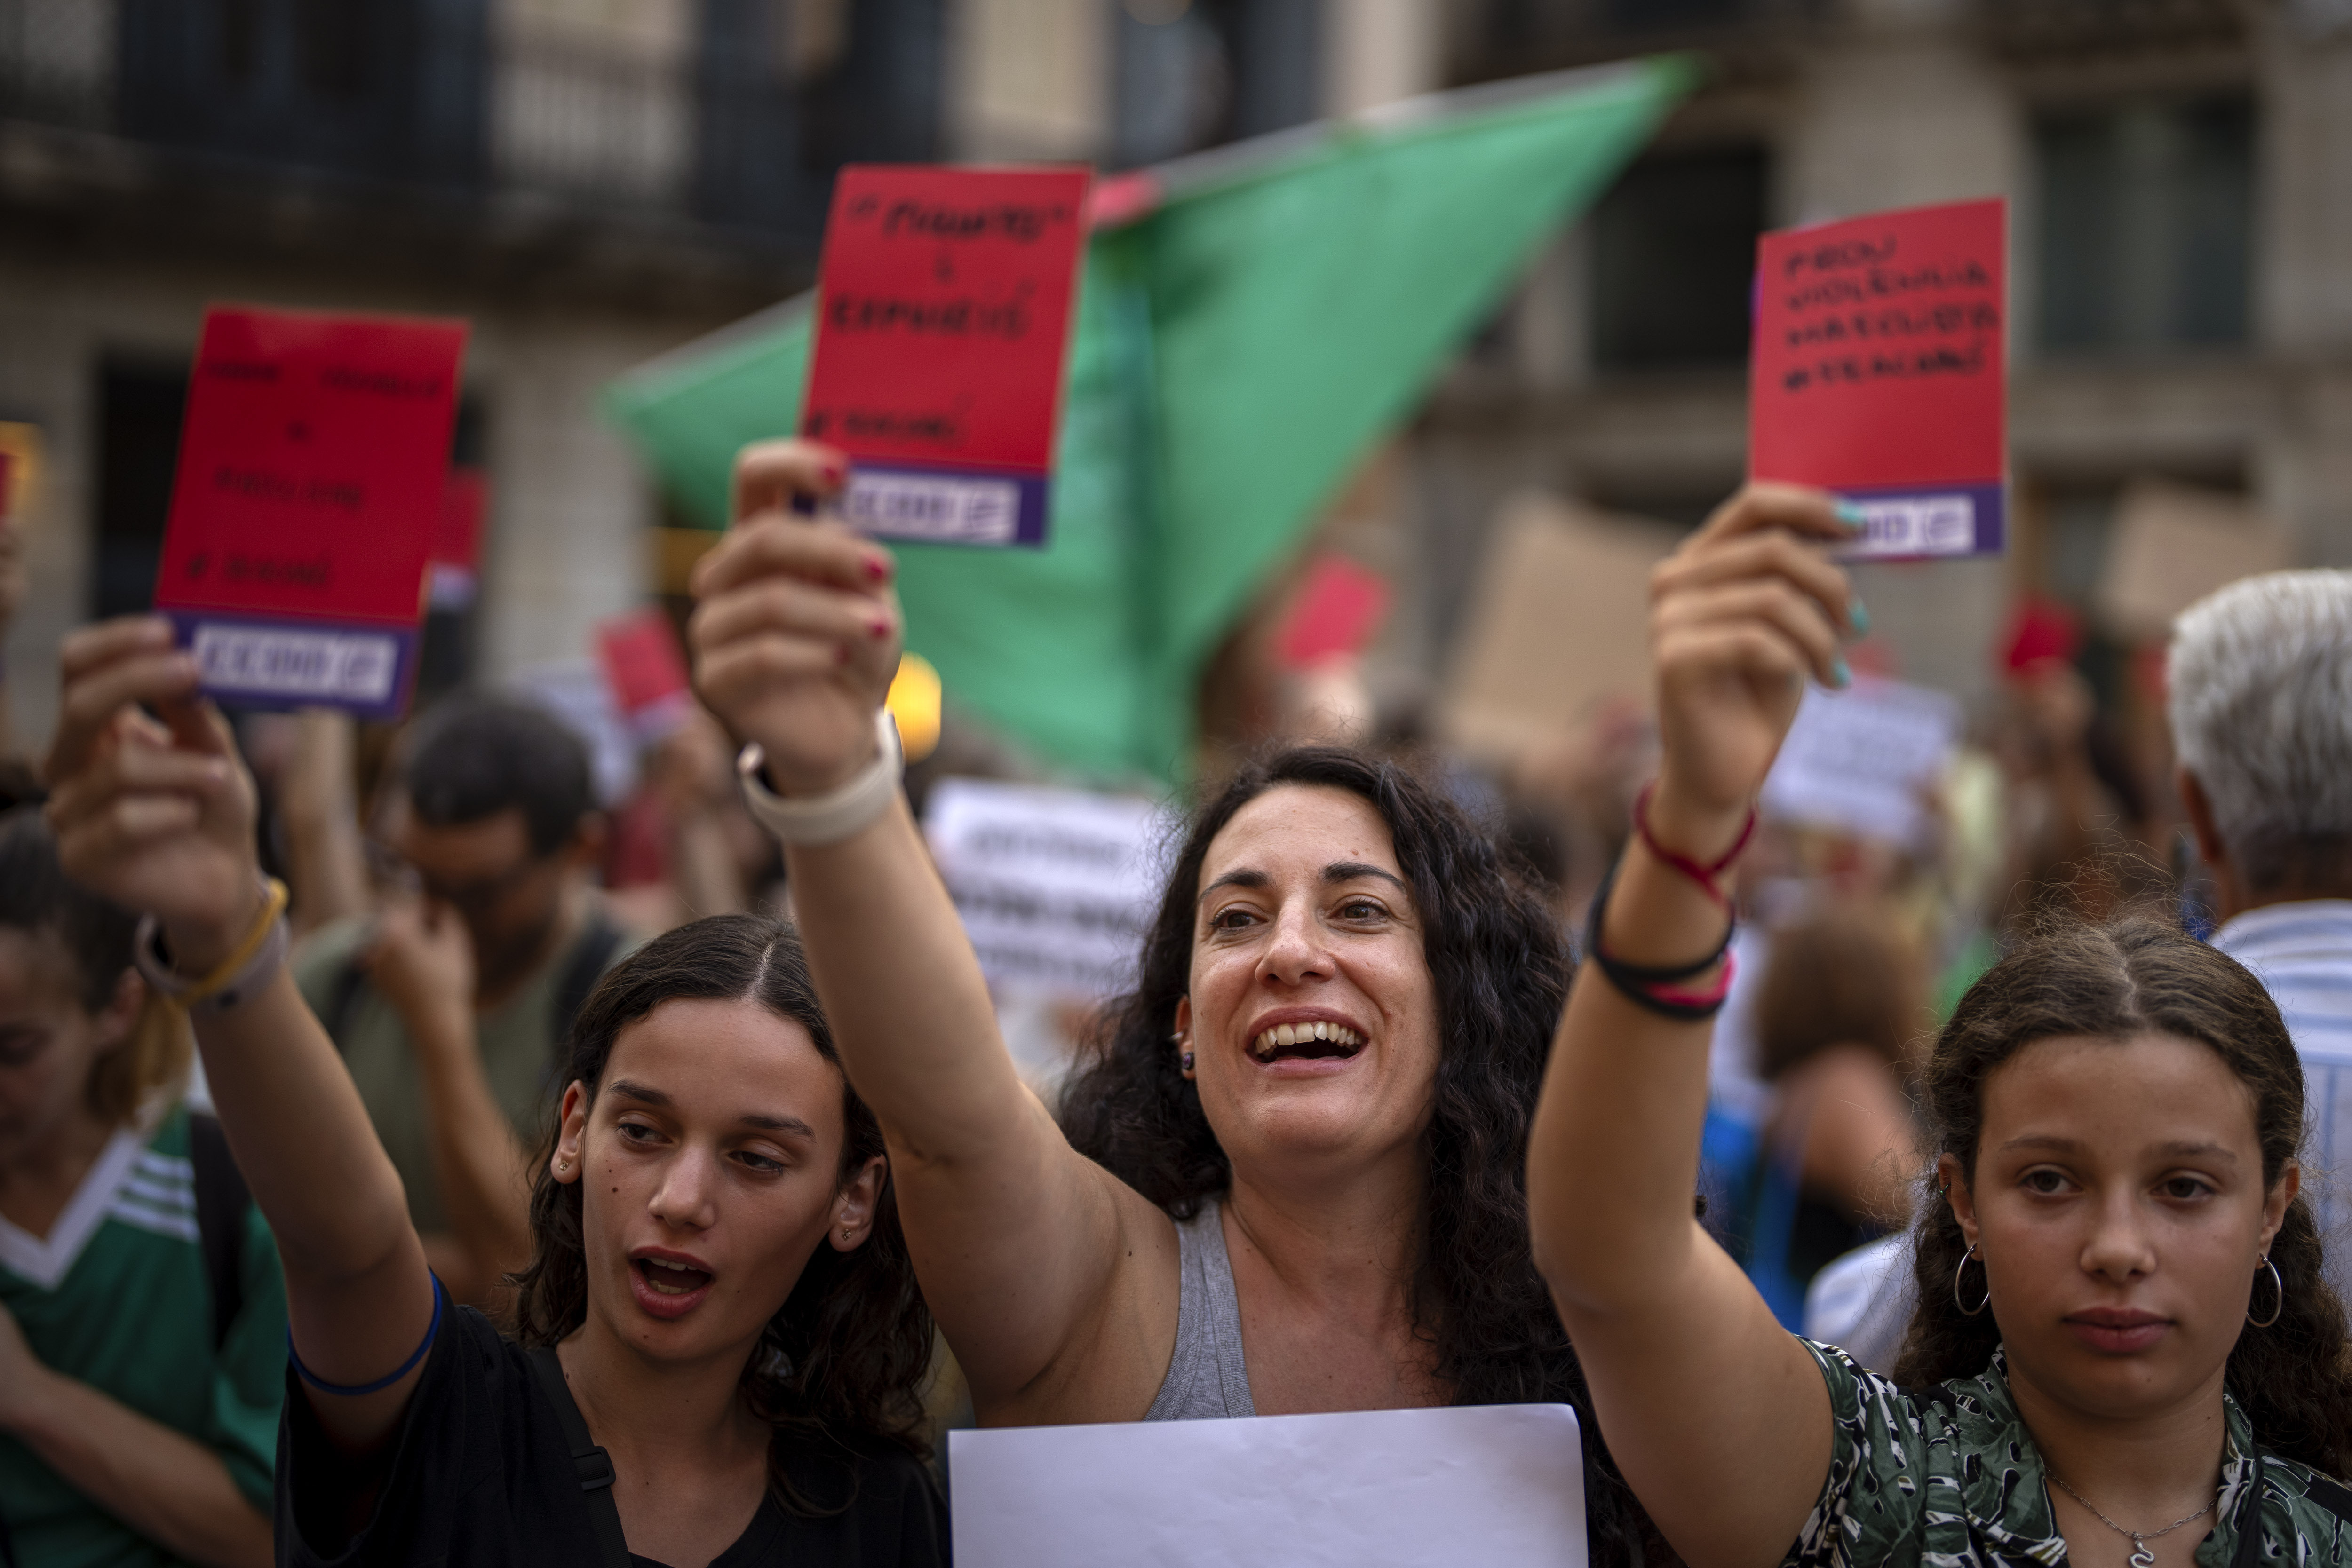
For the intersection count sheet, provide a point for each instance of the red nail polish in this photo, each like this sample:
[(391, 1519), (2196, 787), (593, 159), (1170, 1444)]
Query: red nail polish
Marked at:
[(877, 567), (879, 627), (835, 473)]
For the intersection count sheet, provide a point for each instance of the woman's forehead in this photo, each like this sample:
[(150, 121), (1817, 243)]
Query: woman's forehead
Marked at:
[(728, 1060), (1301, 828), (2144, 1090)]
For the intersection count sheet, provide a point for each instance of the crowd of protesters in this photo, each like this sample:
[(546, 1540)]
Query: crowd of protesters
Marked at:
[(404, 1156)]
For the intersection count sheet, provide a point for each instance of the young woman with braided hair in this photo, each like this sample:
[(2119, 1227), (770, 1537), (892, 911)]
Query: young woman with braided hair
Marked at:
[(2126, 1351)]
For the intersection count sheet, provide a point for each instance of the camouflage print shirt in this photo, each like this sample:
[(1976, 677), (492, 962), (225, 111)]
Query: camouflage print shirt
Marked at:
[(1951, 1478)]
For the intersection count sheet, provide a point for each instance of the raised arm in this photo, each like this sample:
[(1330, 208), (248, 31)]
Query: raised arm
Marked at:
[(1033, 1258), (159, 818), (1718, 1418)]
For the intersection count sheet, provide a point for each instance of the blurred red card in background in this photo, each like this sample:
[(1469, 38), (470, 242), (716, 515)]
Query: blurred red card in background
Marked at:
[(1878, 371), (313, 460), (943, 320), (1336, 613), (644, 666)]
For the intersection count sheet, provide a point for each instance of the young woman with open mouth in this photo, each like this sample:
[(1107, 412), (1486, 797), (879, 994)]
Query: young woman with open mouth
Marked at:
[(721, 1343), (1292, 1180), (2125, 1351)]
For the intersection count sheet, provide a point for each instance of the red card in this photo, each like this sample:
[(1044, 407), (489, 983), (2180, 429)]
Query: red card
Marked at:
[(1338, 610), (313, 461), (643, 661), (1878, 372), (943, 320)]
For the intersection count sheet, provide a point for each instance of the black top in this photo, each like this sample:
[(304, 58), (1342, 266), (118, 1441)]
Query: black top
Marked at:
[(480, 1474)]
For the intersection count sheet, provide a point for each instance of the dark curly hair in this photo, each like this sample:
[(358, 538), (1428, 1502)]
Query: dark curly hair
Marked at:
[(844, 1358), (2139, 975), (1501, 966)]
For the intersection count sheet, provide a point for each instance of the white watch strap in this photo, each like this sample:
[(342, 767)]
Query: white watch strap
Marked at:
[(825, 819)]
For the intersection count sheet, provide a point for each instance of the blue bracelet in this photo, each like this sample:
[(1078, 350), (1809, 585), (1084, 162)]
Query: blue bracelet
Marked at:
[(352, 1390)]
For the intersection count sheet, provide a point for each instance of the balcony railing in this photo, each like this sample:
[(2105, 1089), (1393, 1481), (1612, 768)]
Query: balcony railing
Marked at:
[(424, 93)]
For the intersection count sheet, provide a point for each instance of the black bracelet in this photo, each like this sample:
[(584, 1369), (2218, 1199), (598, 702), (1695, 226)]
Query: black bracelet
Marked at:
[(1637, 983)]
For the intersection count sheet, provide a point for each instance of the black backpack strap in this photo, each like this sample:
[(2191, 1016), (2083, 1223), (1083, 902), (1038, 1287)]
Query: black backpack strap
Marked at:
[(582, 968), (589, 1462), (221, 1203)]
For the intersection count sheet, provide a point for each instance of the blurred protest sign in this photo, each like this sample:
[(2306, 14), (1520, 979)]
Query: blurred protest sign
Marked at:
[(2170, 546), (915, 701), (456, 555), (1273, 310), (645, 669), (314, 459), (1557, 620), (942, 323), (1055, 886), (1335, 614), (1499, 1485), (1877, 372), (1866, 760)]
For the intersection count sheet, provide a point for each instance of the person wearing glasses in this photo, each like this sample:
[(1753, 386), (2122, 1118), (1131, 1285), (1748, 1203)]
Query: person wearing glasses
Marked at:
[(450, 1004)]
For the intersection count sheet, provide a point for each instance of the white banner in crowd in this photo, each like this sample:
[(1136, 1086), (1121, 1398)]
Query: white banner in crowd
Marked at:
[(1864, 760), (1055, 886), (1499, 1485)]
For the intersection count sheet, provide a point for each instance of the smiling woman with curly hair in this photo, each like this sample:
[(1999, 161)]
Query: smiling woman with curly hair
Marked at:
[(1291, 1181)]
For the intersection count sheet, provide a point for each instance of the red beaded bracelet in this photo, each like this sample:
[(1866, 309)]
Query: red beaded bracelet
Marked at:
[(1704, 875)]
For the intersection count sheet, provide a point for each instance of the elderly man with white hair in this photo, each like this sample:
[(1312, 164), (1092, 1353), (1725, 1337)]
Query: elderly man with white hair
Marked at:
[(2260, 703)]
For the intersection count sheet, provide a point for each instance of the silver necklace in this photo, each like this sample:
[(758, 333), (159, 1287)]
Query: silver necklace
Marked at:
[(2141, 1556)]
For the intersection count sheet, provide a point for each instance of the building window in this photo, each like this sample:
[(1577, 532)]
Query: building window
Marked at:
[(138, 407), (1195, 73), (2146, 214), (1673, 261)]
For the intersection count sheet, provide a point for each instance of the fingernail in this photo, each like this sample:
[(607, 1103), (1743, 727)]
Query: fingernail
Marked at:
[(835, 473), (1839, 676), (878, 566), (1858, 613), (1849, 514), (879, 627)]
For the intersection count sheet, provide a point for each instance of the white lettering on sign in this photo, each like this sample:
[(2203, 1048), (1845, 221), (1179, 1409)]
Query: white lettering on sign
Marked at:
[(1055, 886), (281, 661), (944, 509), (1917, 525)]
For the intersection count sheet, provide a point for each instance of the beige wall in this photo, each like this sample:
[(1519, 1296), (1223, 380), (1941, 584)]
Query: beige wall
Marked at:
[(1028, 79)]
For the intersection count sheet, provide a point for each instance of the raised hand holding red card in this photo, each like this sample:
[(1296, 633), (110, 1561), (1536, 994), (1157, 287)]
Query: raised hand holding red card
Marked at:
[(313, 462), (1879, 372), (942, 329)]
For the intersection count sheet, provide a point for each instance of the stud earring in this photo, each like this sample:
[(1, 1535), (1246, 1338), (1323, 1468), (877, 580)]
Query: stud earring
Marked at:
[(1188, 1061)]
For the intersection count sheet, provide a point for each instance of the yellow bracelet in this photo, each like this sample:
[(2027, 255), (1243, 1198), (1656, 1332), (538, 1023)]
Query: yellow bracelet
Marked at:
[(230, 967)]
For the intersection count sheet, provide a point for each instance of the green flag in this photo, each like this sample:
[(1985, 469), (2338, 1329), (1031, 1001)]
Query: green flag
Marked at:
[(1239, 348)]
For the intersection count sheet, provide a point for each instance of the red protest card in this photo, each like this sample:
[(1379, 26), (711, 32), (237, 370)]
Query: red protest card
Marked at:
[(1879, 372), (943, 320), (643, 661), (1336, 611), (313, 462)]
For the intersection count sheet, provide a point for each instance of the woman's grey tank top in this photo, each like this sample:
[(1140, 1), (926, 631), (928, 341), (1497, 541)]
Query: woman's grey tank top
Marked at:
[(1206, 1377)]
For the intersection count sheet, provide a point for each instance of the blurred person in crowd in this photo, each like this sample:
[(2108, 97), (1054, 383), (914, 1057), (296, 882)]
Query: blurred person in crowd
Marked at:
[(2077, 817), (142, 1318), (719, 1323), (2260, 707), (682, 846), (2123, 1335), (451, 1004), (13, 575), (1839, 1002), (306, 766), (1291, 1177)]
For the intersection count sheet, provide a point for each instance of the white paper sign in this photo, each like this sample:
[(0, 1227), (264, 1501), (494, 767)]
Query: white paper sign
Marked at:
[(1055, 886), (1499, 1485), (1863, 761)]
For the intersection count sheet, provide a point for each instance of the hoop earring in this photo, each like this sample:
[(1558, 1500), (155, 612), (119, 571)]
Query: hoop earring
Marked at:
[(2281, 1286), (1966, 1311)]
